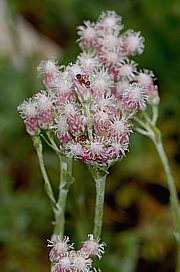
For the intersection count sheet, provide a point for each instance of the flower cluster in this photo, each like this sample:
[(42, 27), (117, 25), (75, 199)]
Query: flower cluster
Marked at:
[(88, 104), (114, 48), (65, 259)]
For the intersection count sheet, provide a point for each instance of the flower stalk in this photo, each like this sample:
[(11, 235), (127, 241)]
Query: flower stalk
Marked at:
[(47, 185), (58, 206), (173, 194), (149, 128), (98, 218), (65, 181), (99, 175)]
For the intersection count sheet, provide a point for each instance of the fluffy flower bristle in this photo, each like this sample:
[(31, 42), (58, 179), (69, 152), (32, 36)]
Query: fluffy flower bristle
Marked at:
[(93, 247), (88, 61), (109, 21), (80, 262), (28, 108), (127, 69), (60, 248), (101, 81), (87, 35), (65, 259), (134, 98), (132, 43)]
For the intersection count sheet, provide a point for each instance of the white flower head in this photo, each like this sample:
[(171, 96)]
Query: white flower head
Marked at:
[(96, 147), (81, 262), (87, 35), (101, 80), (48, 66), (134, 98), (127, 69), (65, 264), (88, 61), (63, 82), (75, 149), (109, 21), (28, 108), (120, 86), (61, 245), (93, 247), (145, 77), (67, 108), (44, 100), (60, 248), (120, 127), (110, 56), (61, 126), (133, 43), (108, 41)]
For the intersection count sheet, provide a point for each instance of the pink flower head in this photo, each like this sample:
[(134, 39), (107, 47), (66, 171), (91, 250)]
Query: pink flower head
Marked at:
[(109, 22), (110, 57), (146, 78), (64, 264), (120, 86), (81, 262), (127, 69), (29, 112), (49, 69), (132, 43), (134, 98), (93, 247), (101, 81), (60, 248), (45, 109), (88, 62), (87, 35)]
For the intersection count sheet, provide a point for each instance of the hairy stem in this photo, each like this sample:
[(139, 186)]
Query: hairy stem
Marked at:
[(152, 131), (173, 195), (65, 180), (172, 188), (98, 219), (47, 185)]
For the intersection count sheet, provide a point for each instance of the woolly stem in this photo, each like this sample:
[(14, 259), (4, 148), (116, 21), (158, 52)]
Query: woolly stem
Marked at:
[(47, 185), (155, 135), (98, 219), (173, 195), (65, 181)]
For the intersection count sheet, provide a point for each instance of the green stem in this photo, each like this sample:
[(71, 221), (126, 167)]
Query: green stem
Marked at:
[(172, 188), (173, 195), (154, 114), (98, 219), (155, 135), (47, 185), (65, 180)]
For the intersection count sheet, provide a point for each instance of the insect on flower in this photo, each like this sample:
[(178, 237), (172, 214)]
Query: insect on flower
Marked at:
[(83, 80), (83, 139)]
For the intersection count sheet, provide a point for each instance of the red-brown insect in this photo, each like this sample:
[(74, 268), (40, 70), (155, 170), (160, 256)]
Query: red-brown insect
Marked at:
[(83, 80), (83, 139)]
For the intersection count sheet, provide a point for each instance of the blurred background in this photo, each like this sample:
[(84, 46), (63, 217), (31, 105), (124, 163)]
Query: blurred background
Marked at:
[(138, 225)]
